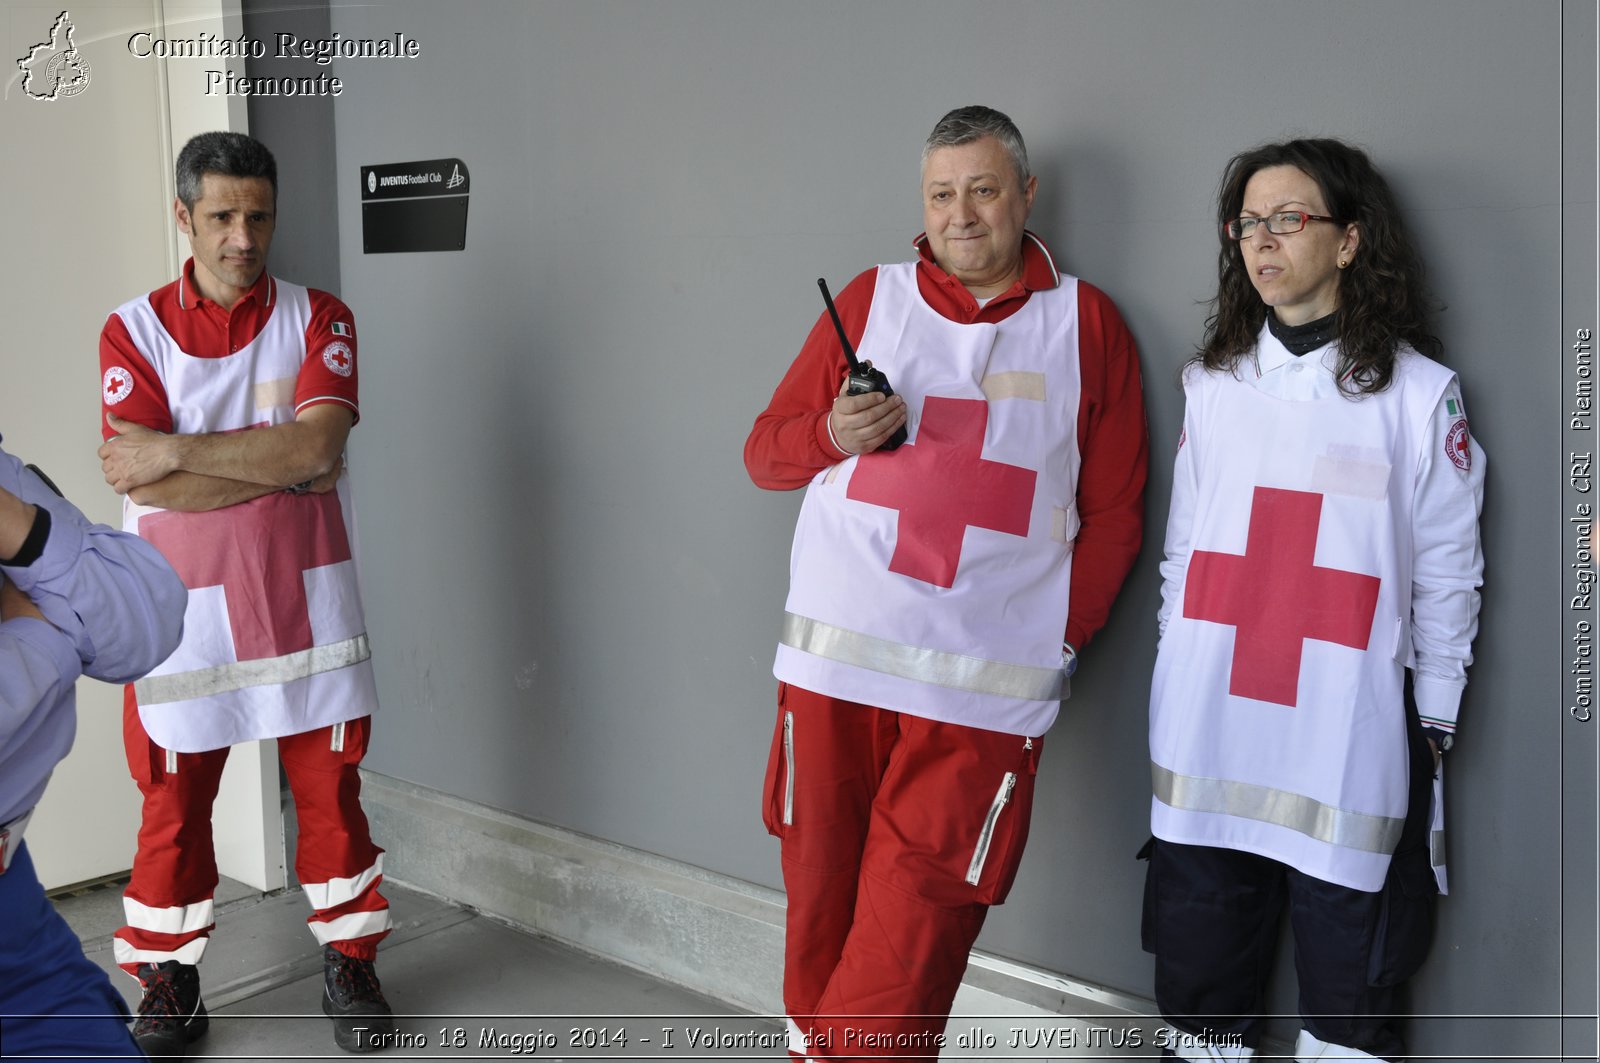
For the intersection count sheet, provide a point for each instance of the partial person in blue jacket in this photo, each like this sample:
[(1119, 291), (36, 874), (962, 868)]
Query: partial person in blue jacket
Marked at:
[(75, 599)]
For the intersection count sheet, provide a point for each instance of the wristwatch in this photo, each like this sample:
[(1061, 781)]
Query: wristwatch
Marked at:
[(1069, 659)]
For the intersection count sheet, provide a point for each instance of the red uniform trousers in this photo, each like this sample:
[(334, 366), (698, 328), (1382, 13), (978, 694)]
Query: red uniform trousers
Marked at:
[(898, 833), (168, 902)]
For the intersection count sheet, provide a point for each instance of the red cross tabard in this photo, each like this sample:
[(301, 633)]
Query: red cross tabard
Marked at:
[(257, 552), (941, 484), (1277, 598)]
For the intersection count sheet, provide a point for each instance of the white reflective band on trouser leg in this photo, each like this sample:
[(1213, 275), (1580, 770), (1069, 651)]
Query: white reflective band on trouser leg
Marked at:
[(124, 953), (337, 891), (337, 743), (1184, 1046), (797, 1038), (1307, 1047), (179, 919), (172, 761), (349, 927)]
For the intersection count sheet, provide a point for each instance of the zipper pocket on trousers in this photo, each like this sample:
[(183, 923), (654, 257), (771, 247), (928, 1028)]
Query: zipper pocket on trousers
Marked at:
[(788, 769), (981, 853)]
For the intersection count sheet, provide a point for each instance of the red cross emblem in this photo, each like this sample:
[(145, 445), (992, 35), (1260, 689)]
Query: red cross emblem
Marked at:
[(1458, 446), (338, 357), (941, 485), (1277, 597), (257, 552), (116, 385)]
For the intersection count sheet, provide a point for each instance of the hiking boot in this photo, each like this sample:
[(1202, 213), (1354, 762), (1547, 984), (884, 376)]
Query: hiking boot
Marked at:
[(171, 1014), (353, 999)]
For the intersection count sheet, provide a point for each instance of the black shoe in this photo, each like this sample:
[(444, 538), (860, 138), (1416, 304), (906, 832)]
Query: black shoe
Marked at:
[(353, 999), (171, 1014)]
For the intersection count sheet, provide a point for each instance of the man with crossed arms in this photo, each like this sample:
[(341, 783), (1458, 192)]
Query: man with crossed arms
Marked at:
[(228, 396)]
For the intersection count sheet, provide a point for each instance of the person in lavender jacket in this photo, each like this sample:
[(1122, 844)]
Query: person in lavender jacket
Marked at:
[(75, 599)]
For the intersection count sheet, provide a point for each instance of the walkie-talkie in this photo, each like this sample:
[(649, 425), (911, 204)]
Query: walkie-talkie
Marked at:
[(863, 377)]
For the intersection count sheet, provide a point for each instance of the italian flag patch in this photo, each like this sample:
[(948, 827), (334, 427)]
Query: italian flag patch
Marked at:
[(342, 329)]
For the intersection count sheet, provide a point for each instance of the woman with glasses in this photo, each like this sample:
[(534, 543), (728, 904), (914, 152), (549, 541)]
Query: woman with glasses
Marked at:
[(1319, 599)]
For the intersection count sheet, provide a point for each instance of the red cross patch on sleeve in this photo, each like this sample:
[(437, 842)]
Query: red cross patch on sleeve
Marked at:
[(1458, 445), (338, 357), (116, 385)]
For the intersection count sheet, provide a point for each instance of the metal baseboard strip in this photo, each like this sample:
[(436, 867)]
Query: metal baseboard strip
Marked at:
[(707, 932), (694, 928)]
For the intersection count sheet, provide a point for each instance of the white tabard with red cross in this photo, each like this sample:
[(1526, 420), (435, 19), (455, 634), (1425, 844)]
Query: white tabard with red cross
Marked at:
[(274, 639), (933, 579), (1277, 720)]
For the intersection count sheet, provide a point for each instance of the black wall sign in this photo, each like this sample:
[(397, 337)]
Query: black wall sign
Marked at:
[(414, 206)]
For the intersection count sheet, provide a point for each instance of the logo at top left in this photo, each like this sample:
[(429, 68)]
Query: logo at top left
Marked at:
[(55, 68)]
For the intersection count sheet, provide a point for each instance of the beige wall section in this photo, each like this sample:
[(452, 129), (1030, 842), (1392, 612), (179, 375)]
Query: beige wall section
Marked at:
[(86, 197)]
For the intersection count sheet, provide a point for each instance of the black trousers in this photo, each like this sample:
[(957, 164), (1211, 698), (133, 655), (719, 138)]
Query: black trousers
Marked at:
[(1211, 918)]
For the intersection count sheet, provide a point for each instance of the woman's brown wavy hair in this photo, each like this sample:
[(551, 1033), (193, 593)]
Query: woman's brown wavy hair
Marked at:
[(1382, 299)]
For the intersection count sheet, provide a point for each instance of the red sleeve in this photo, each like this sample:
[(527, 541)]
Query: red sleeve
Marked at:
[(790, 443), (129, 386), (329, 372), (1115, 444)]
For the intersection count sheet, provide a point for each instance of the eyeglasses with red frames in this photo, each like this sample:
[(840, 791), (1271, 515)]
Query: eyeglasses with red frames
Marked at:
[(1280, 224)]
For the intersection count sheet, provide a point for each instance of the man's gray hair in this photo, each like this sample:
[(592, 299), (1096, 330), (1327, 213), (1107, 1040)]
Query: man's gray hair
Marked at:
[(966, 124), (226, 154)]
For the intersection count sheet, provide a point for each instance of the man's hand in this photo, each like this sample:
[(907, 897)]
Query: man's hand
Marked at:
[(136, 456), (863, 423), (14, 605)]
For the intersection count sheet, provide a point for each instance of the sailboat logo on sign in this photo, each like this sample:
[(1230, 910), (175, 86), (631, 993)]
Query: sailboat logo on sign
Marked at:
[(54, 69)]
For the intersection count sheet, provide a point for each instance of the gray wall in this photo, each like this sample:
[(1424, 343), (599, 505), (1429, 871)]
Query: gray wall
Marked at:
[(300, 133), (574, 590)]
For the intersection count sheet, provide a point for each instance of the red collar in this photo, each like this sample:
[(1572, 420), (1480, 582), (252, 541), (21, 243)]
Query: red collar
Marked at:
[(263, 291), (952, 299)]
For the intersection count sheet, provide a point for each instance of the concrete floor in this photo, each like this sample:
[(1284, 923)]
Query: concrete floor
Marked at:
[(463, 986)]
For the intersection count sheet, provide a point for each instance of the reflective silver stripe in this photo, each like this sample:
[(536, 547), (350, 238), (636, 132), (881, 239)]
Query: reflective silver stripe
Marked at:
[(172, 761), (182, 686), (954, 670), (1436, 849), (788, 768), (336, 743), (981, 852), (1336, 826)]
